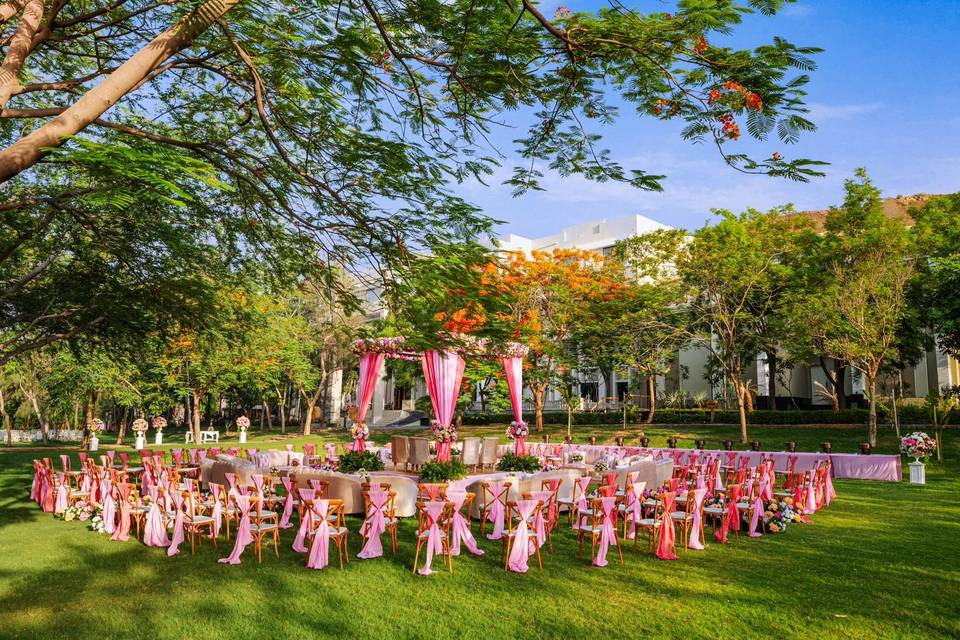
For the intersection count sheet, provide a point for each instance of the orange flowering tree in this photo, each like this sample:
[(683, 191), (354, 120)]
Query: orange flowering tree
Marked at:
[(551, 295)]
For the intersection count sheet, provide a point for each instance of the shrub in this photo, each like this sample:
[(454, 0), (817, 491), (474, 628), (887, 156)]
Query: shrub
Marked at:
[(354, 461), (443, 471), (513, 462), (423, 405), (910, 415)]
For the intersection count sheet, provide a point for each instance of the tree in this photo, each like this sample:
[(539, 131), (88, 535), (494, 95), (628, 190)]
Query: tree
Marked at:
[(734, 271), (552, 293), (654, 325), (935, 292), (856, 314), (164, 140)]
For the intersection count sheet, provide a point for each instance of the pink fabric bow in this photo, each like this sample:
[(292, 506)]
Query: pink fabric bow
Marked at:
[(696, 526), (434, 535), (65, 462), (124, 457), (757, 511), (319, 554), (306, 495), (62, 503), (122, 530), (374, 524), (583, 482), (155, 532), (633, 510), (109, 505), (539, 527), (523, 545), (177, 455), (174, 548), (231, 481), (287, 503), (665, 549), (731, 458), (217, 512), (461, 526), (608, 535), (309, 449), (732, 519), (496, 512), (244, 536)]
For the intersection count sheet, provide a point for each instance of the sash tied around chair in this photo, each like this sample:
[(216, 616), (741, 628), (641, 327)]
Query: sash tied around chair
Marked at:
[(497, 511), (696, 525), (665, 548), (375, 523), (607, 533), (319, 554), (244, 536), (523, 545), (461, 527), (434, 535)]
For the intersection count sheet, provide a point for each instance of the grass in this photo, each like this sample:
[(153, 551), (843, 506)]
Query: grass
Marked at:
[(881, 562)]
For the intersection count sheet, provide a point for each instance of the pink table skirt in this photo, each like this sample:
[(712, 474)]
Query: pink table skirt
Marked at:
[(843, 465)]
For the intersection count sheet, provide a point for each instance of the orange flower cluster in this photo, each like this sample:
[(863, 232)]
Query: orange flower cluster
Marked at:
[(469, 319), (730, 127), (562, 12), (751, 101), (701, 45)]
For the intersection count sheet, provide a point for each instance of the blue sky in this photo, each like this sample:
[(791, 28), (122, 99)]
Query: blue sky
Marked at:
[(886, 96)]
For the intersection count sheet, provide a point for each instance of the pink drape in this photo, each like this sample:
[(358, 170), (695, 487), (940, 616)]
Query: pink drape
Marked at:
[(513, 369), (287, 503), (434, 535), (319, 553), (697, 525), (665, 549), (461, 526), (523, 543), (370, 365), (608, 533), (375, 523), (244, 536), (443, 372)]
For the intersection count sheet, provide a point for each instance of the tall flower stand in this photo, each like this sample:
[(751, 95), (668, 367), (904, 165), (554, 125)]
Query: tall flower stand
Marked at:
[(94, 443), (141, 442), (918, 472), (243, 436), (158, 439)]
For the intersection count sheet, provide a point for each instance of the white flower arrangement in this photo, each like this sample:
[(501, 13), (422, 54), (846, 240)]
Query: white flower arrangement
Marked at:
[(359, 431), (95, 425), (918, 445), (600, 466), (576, 457), (158, 422), (243, 423), (518, 429), (139, 425)]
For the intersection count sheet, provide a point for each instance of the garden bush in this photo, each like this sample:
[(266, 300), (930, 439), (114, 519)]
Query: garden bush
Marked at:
[(513, 462), (443, 471), (354, 461), (910, 415)]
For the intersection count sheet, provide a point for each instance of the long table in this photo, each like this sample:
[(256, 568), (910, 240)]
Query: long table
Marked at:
[(854, 466)]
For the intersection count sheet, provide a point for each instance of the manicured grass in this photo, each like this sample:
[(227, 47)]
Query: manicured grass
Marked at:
[(881, 562)]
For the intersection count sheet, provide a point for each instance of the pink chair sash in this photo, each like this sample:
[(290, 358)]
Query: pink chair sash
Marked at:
[(62, 503), (607, 533), (305, 523), (830, 492), (35, 485), (217, 512), (461, 526), (155, 532), (258, 483), (634, 507), (315, 484), (757, 510), (231, 481), (539, 527), (124, 458), (732, 519), (309, 449), (174, 548), (244, 537), (109, 514), (375, 523), (497, 511), (65, 462), (696, 526), (434, 535), (177, 455), (523, 544), (122, 530), (665, 548), (287, 503), (582, 504), (194, 455), (319, 554)]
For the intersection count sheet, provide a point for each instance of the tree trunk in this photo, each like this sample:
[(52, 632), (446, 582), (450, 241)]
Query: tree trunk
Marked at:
[(741, 392), (772, 378), (841, 388), (538, 390), (40, 420), (652, 393), (6, 420), (266, 410), (872, 427), (27, 151), (195, 416), (122, 429), (19, 49), (607, 377)]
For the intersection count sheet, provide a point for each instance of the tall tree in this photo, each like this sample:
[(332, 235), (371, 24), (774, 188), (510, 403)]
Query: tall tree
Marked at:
[(936, 290)]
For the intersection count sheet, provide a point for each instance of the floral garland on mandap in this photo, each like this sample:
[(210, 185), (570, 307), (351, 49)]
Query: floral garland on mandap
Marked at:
[(158, 422), (243, 423), (918, 445), (465, 344), (518, 429), (139, 425), (95, 425), (392, 347), (443, 433), (359, 431)]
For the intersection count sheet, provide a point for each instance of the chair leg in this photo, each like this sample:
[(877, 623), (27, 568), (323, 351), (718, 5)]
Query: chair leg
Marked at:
[(416, 557)]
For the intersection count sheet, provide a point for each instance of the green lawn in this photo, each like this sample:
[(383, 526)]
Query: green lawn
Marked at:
[(881, 562)]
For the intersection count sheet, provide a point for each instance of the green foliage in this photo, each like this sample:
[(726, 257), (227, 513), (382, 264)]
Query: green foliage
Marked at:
[(353, 461), (911, 415), (443, 471), (512, 462)]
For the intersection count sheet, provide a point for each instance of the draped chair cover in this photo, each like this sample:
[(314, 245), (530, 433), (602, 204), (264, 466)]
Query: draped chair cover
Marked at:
[(375, 523), (523, 543)]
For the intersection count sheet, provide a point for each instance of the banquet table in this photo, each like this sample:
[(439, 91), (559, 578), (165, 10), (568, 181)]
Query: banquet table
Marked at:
[(843, 465)]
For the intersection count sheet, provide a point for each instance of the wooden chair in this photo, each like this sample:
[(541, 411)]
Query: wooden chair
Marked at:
[(572, 502), (335, 519), (470, 454), (400, 451), (651, 526), (427, 491), (425, 522), (195, 521), (594, 528), (489, 499), (389, 513), (261, 527), (684, 518), (488, 452), (513, 518)]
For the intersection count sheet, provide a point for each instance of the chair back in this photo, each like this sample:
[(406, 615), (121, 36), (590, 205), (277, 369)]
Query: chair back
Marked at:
[(470, 454), (488, 452), (419, 451), (399, 449), (432, 491)]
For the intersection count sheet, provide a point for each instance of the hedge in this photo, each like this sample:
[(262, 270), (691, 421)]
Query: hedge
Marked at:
[(908, 415)]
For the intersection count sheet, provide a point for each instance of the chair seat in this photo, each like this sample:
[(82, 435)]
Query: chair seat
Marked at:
[(263, 526), (588, 528), (79, 494), (264, 514), (197, 520), (782, 494), (649, 503), (424, 534), (718, 511), (681, 515), (648, 522), (743, 505)]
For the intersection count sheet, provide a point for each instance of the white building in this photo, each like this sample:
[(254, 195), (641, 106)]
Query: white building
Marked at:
[(600, 235)]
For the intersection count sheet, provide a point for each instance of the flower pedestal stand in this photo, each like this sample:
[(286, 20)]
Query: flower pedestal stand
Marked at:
[(141, 442), (918, 472), (243, 437), (94, 443), (158, 439)]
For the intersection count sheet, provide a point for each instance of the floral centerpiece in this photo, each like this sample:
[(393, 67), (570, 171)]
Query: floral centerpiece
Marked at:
[(918, 445), (96, 521), (443, 433), (359, 431), (778, 514), (576, 457), (95, 426), (139, 426), (600, 466), (79, 510), (158, 423), (243, 423), (518, 429)]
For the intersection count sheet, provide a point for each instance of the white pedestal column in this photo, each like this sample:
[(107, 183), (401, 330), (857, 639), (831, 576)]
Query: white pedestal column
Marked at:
[(918, 473)]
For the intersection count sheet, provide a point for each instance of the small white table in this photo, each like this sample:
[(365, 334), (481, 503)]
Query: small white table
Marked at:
[(205, 436)]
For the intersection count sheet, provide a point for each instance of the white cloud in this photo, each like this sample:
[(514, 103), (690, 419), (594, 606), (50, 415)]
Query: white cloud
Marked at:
[(797, 10), (820, 113)]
